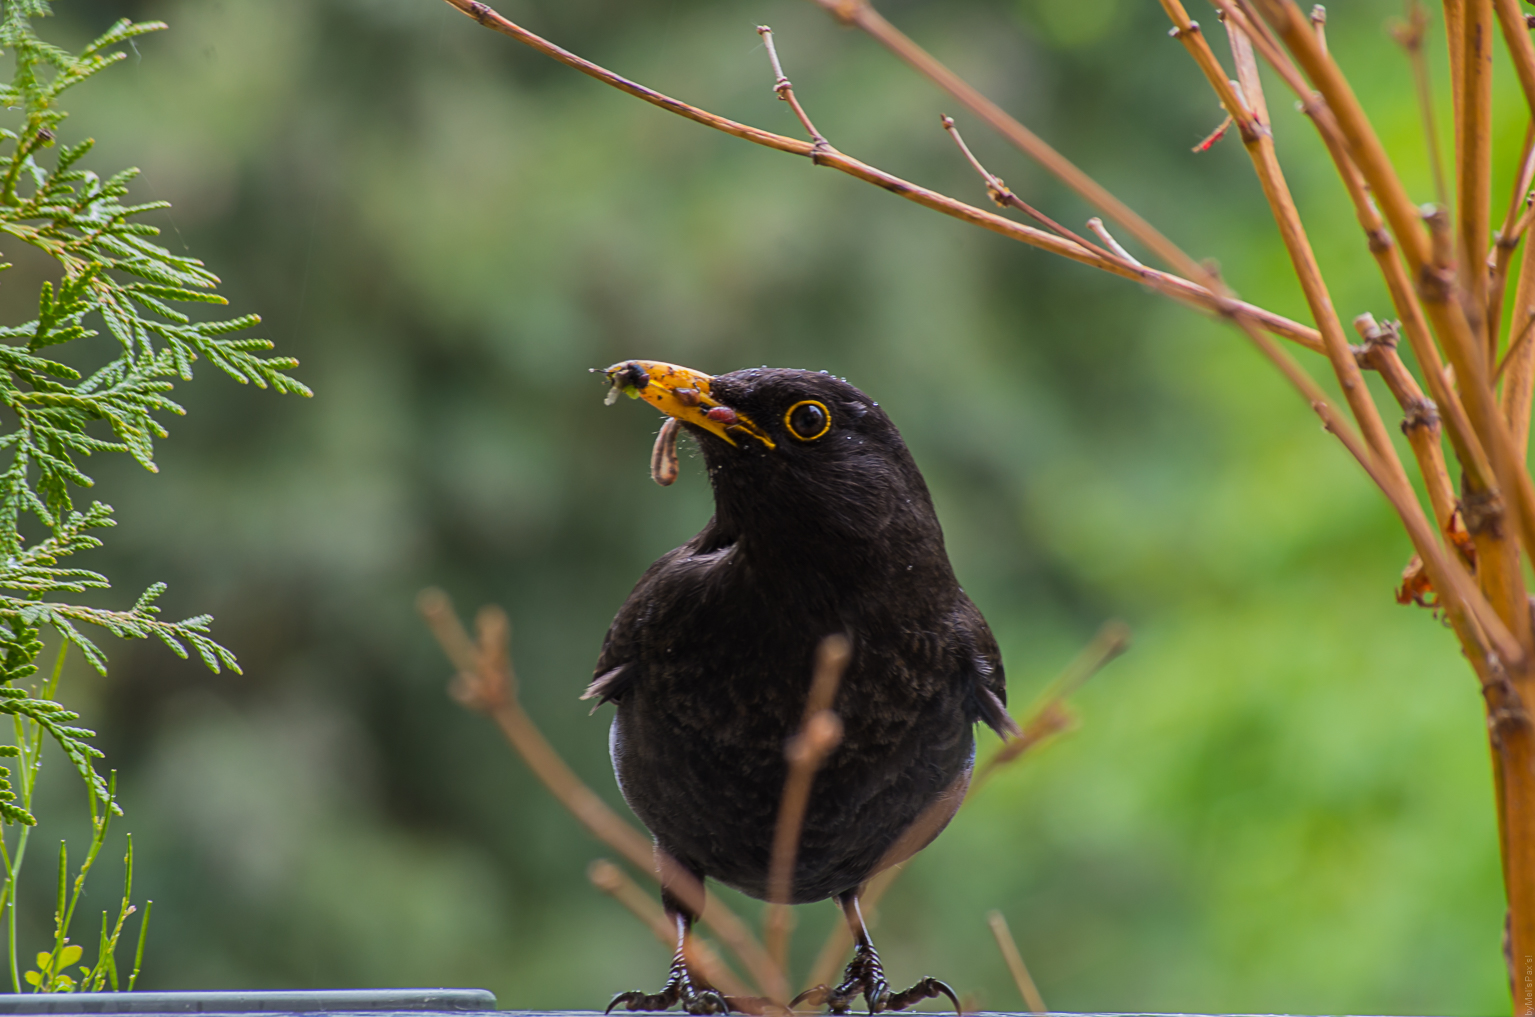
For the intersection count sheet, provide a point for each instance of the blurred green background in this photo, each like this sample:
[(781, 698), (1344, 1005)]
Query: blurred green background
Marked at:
[(1279, 801)]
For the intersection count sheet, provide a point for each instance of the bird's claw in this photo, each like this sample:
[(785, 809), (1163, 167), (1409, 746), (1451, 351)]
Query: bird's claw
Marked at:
[(679, 988), (865, 976), (815, 996), (928, 988)]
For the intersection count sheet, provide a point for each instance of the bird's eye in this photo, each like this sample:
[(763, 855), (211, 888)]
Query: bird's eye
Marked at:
[(807, 420)]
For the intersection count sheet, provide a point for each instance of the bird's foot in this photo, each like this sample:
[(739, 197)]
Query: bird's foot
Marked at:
[(865, 976), (928, 988), (679, 988)]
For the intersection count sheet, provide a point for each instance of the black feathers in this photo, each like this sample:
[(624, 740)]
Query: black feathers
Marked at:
[(709, 660)]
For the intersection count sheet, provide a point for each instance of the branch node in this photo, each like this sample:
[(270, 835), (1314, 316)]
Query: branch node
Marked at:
[(1435, 284), (1505, 707), (1375, 334), (1483, 512), (1419, 413), (1177, 33), (479, 11)]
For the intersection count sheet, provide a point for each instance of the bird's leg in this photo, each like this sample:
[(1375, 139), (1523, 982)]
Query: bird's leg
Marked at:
[(680, 987), (865, 975)]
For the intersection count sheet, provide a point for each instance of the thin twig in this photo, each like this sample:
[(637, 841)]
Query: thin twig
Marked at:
[(1048, 715), (1208, 141), (1004, 196), (819, 733), (1515, 346), (862, 14), (486, 682), (1319, 22), (614, 882), (1473, 178), (1015, 966), (1454, 25), (1096, 225), (1516, 32), (1410, 35), (785, 91), (1506, 240), (1522, 224), (1518, 366)]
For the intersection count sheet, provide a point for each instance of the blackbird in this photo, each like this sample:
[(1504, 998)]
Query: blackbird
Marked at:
[(823, 525)]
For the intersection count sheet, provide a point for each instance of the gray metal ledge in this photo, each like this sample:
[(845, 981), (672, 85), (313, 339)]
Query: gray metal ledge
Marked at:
[(359, 1001)]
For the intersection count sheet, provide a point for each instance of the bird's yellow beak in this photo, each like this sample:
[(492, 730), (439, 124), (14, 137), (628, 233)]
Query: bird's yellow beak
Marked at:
[(682, 393)]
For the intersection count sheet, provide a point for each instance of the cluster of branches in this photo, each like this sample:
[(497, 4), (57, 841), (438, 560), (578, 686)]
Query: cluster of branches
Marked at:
[(109, 273), (1446, 270)]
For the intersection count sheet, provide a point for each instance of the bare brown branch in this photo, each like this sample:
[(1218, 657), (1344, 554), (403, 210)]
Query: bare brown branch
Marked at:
[(862, 14), (1420, 417), (1518, 364), (1015, 966), (1189, 33), (486, 682), (1004, 196), (614, 882), (1473, 177), (1048, 715), (785, 91), (1516, 32), (820, 732), (1410, 36), (1506, 240), (1102, 232)]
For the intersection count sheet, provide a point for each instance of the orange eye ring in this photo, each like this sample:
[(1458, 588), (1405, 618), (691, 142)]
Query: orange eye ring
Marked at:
[(819, 409)]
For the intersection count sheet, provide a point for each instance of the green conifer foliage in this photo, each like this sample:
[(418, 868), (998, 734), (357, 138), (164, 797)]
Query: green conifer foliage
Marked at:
[(113, 276)]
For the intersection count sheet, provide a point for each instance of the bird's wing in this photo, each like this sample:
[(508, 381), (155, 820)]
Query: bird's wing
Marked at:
[(616, 672), (986, 664)]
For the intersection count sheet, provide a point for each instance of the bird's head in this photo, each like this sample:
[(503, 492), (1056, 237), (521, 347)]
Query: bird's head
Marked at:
[(792, 453)]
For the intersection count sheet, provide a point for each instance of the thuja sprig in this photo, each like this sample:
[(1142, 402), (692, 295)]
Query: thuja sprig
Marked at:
[(112, 277)]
